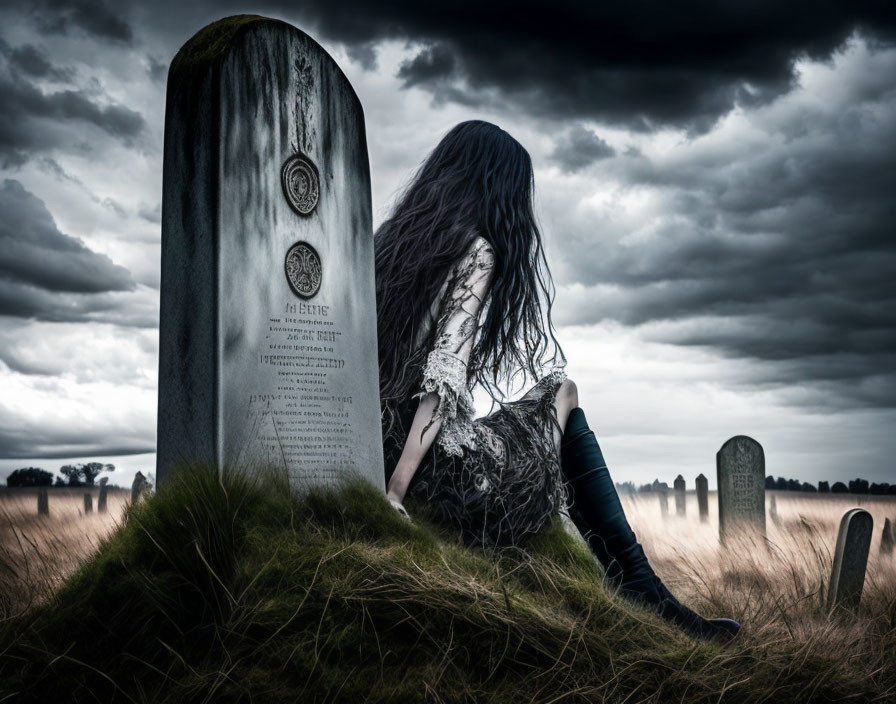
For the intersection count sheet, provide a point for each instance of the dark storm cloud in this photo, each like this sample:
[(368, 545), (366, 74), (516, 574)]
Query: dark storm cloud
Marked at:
[(48, 275), (641, 64), (35, 120), (781, 250), (578, 148), (71, 441), (95, 19)]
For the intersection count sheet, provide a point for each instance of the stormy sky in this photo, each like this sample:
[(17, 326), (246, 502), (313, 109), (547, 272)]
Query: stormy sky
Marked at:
[(714, 180)]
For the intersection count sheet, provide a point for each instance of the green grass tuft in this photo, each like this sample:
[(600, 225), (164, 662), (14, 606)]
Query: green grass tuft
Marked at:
[(225, 588)]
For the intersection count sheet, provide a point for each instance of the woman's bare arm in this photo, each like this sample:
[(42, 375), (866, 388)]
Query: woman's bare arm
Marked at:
[(416, 446)]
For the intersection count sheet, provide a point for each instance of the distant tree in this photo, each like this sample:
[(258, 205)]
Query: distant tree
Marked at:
[(781, 484), (59, 482), (808, 487), (30, 476), (824, 488), (80, 474), (793, 485), (769, 482), (73, 473), (839, 488), (92, 469), (858, 486)]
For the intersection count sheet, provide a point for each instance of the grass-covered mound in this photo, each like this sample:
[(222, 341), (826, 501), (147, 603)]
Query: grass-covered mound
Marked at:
[(233, 590)]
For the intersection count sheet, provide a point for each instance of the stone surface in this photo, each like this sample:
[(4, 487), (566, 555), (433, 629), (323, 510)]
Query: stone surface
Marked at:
[(268, 351), (103, 498), (662, 491), (740, 474), (850, 560), (887, 538), (43, 502), (680, 496), (702, 484), (88, 503), (138, 487)]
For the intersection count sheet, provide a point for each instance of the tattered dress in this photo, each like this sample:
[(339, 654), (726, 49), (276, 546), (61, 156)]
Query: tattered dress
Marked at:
[(495, 479)]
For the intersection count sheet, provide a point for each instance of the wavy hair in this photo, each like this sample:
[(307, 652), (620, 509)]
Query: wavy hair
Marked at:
[(477, 181)]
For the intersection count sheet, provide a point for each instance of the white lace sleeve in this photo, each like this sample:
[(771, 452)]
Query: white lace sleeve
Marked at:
[(445, 371)]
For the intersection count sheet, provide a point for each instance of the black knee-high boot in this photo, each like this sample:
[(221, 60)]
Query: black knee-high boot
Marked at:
[(599, 516)]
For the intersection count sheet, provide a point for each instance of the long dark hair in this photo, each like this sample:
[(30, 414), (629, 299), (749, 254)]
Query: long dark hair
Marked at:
[(478, 181)]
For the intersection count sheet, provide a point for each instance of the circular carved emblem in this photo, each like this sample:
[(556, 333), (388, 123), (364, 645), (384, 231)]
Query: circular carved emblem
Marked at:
[(303, 269), (301, 185)]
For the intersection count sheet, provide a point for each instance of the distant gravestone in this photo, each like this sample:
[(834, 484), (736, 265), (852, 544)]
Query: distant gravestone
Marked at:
[(702, 485), (850, 560), (101, 501), (268, 307), (887, 538), (773, 508), (740, 472), (88, 503), (680, 496), (138, 487), (662, 490), (43, 502)]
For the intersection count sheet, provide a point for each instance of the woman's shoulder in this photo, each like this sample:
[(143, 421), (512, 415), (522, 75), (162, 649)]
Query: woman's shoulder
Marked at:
[(480, 253)]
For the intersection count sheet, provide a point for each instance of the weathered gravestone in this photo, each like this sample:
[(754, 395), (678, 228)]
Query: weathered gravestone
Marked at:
[(139, 486), (268, 350), (773, 508), (702, 485), (101, 501), (680, 496), (43, 502), (850, 560), (662, 491), (740, 473), (88, 503), (887, 538)]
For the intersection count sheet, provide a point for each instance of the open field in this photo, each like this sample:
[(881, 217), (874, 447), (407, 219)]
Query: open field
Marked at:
[(36, 552), (424, 612)]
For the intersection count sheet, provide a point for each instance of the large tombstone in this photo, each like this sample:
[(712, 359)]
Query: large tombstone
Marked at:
[(680, 496), (740, 472), (268, 351), (702, 484), (850, 560)]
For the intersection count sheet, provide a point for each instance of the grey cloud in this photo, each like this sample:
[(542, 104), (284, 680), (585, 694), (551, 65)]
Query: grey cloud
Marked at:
[(59, 442), (578, 148), (33, 61), (96, 19), (35, 253), (34, 121)]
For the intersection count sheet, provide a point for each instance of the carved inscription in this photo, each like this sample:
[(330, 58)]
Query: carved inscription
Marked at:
[(311, 427)]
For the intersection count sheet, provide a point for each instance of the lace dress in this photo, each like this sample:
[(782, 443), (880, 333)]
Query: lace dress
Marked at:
[(496, 479)]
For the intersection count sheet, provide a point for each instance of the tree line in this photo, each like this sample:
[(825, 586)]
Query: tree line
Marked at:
[(71, 475), (854, 486)]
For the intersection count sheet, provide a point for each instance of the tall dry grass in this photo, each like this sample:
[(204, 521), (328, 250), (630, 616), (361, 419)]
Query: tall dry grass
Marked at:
[(38, 552)]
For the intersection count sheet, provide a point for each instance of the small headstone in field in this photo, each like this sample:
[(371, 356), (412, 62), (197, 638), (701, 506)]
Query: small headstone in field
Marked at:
[(850, 560), (887, 538), (663, 493), (740, 471), (702, 485), (43, 502), (773, 508), (680, 496), (88, 503), (267, 342), (138, 487), (101, 501)]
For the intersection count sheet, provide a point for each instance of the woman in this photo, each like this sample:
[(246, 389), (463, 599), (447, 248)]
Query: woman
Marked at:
[(464, 298)]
